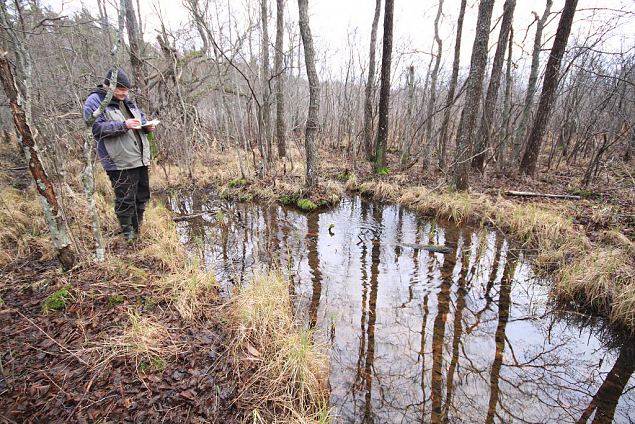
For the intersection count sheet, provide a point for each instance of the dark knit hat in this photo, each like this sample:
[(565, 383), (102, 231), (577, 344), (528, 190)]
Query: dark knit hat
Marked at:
[(122, 78)]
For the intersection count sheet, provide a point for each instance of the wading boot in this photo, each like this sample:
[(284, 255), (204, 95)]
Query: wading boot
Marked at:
[(127, 229), (137, 220)]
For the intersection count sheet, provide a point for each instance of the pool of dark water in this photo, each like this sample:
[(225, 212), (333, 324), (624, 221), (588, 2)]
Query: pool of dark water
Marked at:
[(417, 336)]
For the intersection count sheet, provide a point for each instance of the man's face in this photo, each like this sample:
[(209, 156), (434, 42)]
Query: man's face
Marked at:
[(120, 93)]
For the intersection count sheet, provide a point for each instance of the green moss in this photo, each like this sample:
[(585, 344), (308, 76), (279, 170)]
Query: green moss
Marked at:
[(114, 300), (383, 171), (237, 182), (245, 197), (582, 192), (306, 205), (56, 301), (154, 364), (343, 177)]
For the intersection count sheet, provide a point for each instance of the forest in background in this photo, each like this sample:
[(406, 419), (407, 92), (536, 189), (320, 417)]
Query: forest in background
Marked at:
[(250, 109)]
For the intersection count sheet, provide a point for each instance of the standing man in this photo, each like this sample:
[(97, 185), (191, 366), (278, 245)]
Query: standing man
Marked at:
[(123, 149)]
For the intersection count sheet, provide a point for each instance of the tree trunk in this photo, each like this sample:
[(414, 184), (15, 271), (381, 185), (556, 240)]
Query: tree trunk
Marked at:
[(549, 85), (279, 66), (384, 92), (314, 96), (52, 213), (478, 62), (433, 87), (484, 133), (136, 56), (370, 83), (531, 85), (453, 80), (407, 133), (507, 105), (264, 114)]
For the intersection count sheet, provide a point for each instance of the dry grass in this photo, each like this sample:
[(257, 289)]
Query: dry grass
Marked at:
[(145, 340), (23, 232), (191, 291), (603, 280), (380, 190), (288, 370), (160, 241)]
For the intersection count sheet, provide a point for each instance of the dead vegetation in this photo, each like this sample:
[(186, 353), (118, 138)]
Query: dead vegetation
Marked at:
[(287, 370)]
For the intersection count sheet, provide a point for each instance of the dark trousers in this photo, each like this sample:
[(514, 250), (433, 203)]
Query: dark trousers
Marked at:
[(132, 192)]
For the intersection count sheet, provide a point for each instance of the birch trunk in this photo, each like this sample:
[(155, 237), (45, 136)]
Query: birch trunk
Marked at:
[(433, 87), (52, 212), (314, 96)]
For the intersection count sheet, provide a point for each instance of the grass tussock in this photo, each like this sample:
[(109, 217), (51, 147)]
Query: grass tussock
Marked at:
[(23, 231), (380, 190), (191, 291), (145, 340), (160, 239), (603, 280), (288, 371)]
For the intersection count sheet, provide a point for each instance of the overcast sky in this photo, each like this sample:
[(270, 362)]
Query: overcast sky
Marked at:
[(334, 22)]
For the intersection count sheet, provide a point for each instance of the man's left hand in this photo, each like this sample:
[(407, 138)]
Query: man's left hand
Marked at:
[(150, 128)]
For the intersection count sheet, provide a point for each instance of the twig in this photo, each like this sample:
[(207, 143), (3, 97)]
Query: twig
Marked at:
[(47, 335)]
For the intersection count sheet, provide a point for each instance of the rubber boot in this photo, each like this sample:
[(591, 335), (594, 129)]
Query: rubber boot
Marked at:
[(127, 229), (137, 220)]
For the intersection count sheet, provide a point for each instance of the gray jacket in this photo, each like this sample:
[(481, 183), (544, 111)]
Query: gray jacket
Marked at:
[(117, 146)]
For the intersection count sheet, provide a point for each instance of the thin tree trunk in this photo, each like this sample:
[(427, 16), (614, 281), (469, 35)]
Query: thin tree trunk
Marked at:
[(507, 105), (279, 66), (549, 85), (484, 133), (443, 138), (370, 83), (433, 87), (407, 133), (52, 213), (314, 97), (264, 112), (531, 85), (384, 91), (464, 137), (136, 56)]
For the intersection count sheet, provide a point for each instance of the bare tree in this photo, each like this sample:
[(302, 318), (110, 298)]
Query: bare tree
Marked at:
[(52, 212), (549, 85), (384, 91), (279, 69), (473, 96), (453, 80), (533, 81), (314, 96), (370, 86), (484, 133), (433, 86), (135, 39)]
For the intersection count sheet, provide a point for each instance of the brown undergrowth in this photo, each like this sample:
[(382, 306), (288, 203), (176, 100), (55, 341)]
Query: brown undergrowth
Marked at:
[(139, 337)]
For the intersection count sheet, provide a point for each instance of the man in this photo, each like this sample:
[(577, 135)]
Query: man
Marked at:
[(123, 149)]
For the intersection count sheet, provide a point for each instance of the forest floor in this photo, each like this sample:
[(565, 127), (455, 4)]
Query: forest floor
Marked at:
[(145, 337)]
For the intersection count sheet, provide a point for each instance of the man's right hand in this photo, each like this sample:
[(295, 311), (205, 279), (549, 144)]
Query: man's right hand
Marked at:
[(133, 124)]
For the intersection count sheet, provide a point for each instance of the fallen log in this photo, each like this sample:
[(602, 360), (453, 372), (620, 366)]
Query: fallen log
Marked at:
[(550, 196), (428, 247), (192, 216)]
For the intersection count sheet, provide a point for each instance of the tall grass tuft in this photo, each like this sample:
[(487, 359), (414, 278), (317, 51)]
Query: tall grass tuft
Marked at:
[(287, 369)]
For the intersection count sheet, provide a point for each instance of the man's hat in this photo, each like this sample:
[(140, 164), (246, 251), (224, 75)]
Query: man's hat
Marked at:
[(122, 78)]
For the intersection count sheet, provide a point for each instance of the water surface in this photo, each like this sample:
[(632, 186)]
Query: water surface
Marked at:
[(415, 336)]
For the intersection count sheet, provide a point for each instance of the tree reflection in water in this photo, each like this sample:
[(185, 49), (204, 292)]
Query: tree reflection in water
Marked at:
[(419, 336)]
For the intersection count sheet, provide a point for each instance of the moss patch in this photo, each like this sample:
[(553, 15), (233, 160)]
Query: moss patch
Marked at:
[(306, 205), (56, 301)]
